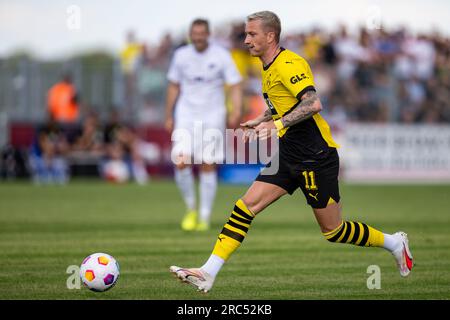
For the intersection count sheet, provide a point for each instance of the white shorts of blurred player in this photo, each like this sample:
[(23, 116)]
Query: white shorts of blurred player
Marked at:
[(198, 142)]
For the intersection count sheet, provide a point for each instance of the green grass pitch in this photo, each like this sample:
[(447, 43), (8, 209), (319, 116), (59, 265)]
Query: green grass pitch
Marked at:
[(43, 230)]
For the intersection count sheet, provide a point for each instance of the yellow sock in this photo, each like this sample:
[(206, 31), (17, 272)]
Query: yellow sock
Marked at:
[(234, 231), (356, 233)]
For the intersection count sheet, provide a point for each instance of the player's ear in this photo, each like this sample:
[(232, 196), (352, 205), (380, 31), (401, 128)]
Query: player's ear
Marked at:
[(270, 36)]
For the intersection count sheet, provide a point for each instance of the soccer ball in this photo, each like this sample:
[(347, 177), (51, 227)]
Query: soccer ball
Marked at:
[(99, 272)]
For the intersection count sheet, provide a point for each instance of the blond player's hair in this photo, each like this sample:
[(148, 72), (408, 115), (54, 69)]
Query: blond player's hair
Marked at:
[(270, 22)]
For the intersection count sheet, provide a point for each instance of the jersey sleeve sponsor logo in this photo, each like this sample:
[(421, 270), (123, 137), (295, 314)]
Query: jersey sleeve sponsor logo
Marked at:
[(295, 79)]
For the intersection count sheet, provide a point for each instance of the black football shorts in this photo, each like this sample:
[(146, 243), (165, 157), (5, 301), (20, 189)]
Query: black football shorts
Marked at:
[(318, 179)]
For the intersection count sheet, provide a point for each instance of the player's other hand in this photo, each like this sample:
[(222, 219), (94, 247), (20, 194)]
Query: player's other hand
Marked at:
[(249, 132), (265, 129), (168, 124), (254, 129)]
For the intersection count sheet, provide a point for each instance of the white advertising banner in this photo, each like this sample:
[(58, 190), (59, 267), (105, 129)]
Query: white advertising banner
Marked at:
[(395, 153)]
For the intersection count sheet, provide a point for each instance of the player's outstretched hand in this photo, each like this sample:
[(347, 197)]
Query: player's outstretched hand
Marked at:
[(249, 132), (250, 124)]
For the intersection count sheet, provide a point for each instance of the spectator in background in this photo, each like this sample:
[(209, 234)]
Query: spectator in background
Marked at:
[(62, 101), (48, 155), (312, 46), (90, 140), (114, 168), (164, 51), (124, 149), (129, 58), (130, 54), (335, 114), (423, 54), (328, 52), (151, 83), (349, 52)]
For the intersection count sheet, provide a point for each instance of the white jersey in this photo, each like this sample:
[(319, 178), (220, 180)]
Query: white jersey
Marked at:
[(201, 76)]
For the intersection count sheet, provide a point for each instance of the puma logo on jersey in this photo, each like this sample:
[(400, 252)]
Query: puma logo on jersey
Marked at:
[(298, 78), (314, 196)]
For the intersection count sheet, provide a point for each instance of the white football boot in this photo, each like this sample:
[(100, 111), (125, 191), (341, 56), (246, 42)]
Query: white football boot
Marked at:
[(194, 276), (403, 255)]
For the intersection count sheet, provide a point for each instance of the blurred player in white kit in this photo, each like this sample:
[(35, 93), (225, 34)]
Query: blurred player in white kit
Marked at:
[(195, 103)]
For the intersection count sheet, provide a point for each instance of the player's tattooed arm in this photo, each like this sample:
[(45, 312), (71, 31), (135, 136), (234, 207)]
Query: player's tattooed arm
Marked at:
[(309, 106), (266, 116)]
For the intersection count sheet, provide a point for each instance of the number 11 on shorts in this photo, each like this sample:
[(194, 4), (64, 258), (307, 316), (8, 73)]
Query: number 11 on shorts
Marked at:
[(310, 181)]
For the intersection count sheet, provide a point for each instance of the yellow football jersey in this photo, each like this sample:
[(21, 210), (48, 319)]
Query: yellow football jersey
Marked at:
[(284, 81)]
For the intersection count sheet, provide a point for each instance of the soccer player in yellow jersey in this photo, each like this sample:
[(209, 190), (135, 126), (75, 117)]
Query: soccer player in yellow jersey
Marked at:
[(307, 159)]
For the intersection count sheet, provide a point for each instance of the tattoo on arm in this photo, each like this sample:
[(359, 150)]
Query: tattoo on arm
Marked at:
[(303, 111), (267, 116)]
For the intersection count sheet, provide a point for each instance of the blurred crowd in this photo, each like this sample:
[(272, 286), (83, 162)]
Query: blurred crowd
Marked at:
[(367, 76), (113, 148)]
